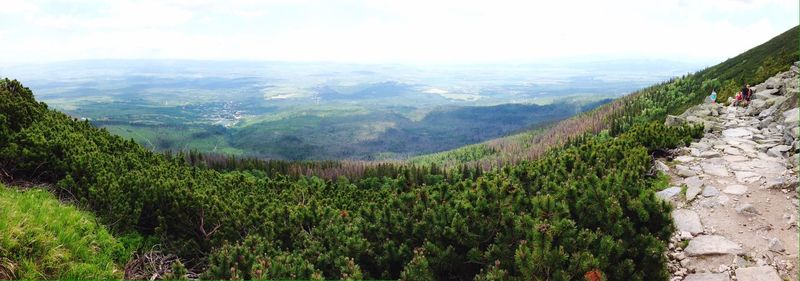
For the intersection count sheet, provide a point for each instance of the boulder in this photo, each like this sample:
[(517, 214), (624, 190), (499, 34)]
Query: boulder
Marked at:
[(778, 150), (755, 107), (759, 273), (673, 120), (773, 83), (712, 245), (687, 220), (766, 94), (792, 117)]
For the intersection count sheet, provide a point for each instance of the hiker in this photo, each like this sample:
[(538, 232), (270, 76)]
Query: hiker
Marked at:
[(713, 96), (746, 93), (738, 99)]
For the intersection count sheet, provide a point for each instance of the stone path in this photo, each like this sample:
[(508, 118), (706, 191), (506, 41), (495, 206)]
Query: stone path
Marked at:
[(734, 190)]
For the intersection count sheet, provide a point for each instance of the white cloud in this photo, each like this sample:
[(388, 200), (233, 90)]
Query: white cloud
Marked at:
[(389, 31)]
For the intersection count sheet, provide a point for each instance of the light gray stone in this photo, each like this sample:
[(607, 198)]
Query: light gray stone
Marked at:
[(792, 117), (755, 107), (716, 170), (684, 171), (766, 94), (778, 150), (692, 192), (712, 245), (732, 151), (668, 193), (673, 120), (687, 220), (710, 154), (736, 189), (747, 210), (737, 133), (710, 191), (707, 277), (747, 177), (661, 166), (735, 158), (760, 273), (775, 245), (694, 181)]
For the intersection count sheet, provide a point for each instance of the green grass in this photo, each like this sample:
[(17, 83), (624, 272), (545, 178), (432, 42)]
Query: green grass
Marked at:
[(40, 238)]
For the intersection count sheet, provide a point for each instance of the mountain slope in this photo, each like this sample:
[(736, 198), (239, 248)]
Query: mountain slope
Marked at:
[(585, 209), (652, 103)]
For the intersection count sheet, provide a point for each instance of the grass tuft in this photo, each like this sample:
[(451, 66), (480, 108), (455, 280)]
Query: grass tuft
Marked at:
[(42, 239)]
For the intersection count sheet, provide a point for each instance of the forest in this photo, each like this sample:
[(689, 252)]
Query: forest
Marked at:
[(577, 203)]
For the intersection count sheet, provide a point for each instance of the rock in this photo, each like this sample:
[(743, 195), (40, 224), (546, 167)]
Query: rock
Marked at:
[(687, 220), (668, 193), (684, 158), (661, 166), (707, 277), (710, 154), (776, 183), (792, 117), (694, 181), (716, 170), (760, 273), (712, 245), (747, 177), (735, 158), (731, 151), (673, 120), (736, 189), (692, 192), (684, 171), (706, 262), (775, 245), (778, 150), (773, 83), (747, 210), (710, 191), (737, 133), (755, 107), (767, 118), (766, 94), (794, 132)]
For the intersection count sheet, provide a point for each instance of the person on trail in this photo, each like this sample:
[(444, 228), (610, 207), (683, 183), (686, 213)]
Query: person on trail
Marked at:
[(747, 93), (738, 99), (713, 96)]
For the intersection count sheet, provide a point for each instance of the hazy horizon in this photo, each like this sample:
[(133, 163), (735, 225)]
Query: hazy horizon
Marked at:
[(389, 32)]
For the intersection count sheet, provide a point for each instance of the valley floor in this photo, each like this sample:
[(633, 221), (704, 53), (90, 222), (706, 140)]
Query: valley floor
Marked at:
[(734, 191)]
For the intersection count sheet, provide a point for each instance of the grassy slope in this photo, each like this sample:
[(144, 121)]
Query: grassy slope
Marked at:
[(42, 239)]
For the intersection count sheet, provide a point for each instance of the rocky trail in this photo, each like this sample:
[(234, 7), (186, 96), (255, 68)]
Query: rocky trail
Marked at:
[(734, 191)]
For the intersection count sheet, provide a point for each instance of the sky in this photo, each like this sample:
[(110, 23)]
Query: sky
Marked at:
[(380, 31)]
